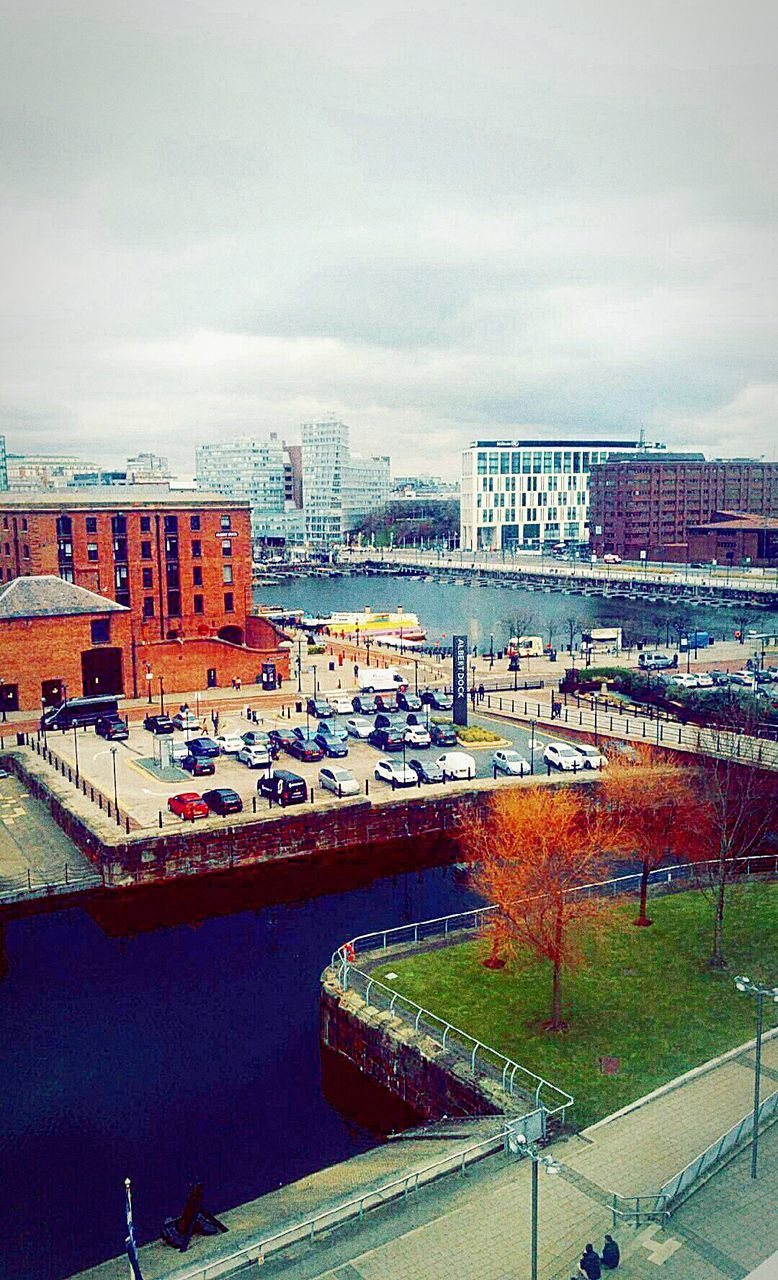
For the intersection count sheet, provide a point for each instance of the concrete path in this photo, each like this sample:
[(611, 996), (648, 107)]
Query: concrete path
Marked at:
[(34, 852), (478, 1227)]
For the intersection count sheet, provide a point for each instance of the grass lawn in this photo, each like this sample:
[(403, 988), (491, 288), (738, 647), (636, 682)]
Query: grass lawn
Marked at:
[(645, 996)]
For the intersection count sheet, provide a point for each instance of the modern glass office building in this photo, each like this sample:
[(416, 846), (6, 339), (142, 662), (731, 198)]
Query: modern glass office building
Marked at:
[(248, 468)]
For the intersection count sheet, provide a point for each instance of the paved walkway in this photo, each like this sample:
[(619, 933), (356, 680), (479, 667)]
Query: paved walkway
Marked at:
[(478, 1227), (33, 850)]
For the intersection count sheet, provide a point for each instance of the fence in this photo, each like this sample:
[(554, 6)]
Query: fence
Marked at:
[(710, 1157), (33, 886)]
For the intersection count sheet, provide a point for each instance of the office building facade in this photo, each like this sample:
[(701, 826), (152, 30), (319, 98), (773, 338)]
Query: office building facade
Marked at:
[(3, 464), (251, 469), (339, 487), (528, 493)]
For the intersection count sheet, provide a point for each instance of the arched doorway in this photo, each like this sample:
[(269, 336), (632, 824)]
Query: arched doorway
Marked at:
[(233, 635)]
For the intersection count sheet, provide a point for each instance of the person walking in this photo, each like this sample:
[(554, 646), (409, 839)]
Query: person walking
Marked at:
[(589, 1265), (610, 1254)]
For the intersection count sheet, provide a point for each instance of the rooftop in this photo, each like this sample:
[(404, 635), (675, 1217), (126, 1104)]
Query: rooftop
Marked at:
[(133, 497), (736, 520), (46, 596), (553, 444)]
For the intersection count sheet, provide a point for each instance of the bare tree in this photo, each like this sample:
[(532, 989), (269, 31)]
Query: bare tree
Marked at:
[(519, 623), (573, 625)]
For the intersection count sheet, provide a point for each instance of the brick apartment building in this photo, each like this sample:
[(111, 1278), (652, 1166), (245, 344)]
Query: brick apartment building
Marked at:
[(646, 503), (179, 563), (730, 537)]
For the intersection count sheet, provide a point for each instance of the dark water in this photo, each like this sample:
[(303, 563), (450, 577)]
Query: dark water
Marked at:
[(156, 1040), (444, 608)]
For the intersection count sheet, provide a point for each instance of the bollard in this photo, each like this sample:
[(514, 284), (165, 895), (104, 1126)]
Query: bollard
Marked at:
[(494, 772), (160, 819), (367, 786), (253, 804), (29, 879), (66, 873), (127, 824), (312, 796)]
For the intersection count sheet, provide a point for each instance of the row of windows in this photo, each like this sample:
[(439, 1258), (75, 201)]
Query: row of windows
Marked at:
[(119, 524), (530, 484), (525, 461), (174, 604)]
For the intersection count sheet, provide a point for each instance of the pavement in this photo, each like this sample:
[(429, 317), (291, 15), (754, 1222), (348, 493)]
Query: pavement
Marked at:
[(477, 1227), (34, 851)]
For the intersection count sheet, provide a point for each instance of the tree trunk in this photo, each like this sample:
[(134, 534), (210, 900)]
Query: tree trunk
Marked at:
[(717, 960), (645, 871), (556, 1023)]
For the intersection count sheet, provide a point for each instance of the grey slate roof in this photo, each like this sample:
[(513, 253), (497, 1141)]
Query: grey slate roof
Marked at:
[(47, 596)]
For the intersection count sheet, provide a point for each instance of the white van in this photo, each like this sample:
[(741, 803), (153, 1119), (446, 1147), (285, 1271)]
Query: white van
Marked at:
[(380, 680), (528, 646)]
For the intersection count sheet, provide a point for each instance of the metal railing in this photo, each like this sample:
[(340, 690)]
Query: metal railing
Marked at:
[(652, 1207), (675, 1187), (15, 888)]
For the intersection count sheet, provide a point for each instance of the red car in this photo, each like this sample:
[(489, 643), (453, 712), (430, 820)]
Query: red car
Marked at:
[(189, 805)]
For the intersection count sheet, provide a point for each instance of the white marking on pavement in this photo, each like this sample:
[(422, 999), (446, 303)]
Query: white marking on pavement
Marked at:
[(658, 1250)]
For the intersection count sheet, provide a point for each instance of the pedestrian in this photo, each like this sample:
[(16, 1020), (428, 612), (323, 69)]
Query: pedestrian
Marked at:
[(472, 697), (232, 682), (610, 1254), (238, 683), (590, 1263), (481, 693)]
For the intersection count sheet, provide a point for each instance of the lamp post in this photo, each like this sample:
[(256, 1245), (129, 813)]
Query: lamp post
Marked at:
[(416, 675), (115, 787), (299, 664), (532, 747), (75, 748), (161, 696), (549, 1163), (368, 643), (744, 984), (491, 652), (149, 680)]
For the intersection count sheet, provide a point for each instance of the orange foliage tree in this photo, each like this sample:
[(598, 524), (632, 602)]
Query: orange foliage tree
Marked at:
[(659, 811), (533, 846)]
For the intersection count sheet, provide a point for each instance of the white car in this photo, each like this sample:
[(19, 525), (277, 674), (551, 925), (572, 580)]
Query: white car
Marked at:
[(456, 764), (611, 558), (396, 773), (340, 705), (229, 743), (685, 680), (745, 678), (561, 755), (704, 681), (254, 756), (416, 736), (359, 727), (510, 762), (591, 757), (186, 720), (340, 781)]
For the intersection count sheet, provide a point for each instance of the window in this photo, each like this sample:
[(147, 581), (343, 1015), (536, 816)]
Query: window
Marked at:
[(24, 524), (229, 603), (145, 526), (119, 525), (197, 576), (91, 524), (171, 548), (194, 522), (92, 552), (100, 630), (226, 548), (198, 604), (227, 573), (148, 578), (226, 523), (197, 549), (148, 606), (64, 526), (145, 551), (174, 604), (120, 549), (25, 551), (171, 524), (173, 577)]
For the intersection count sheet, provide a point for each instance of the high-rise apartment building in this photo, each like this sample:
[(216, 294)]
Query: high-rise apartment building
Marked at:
[(338, 487), (252, 469), (528, 493), (646, 503), (3, 465), (147, 468), (366, 486), (34, 472)]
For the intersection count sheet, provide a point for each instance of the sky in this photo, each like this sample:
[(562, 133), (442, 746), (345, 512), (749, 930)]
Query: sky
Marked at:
[(437, 221)]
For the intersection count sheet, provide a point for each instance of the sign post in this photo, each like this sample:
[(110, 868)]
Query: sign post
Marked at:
[(459, 650)]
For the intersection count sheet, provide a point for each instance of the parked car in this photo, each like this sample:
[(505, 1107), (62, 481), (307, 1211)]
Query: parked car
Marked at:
[(333, 730), (258, 738), (395, 773), (112, 728), (284, 787), (416, 736), (198, 766), (561, 755), (186, 720), (719, 678), (223, 800), (319, 708), (365, 704), (456, 764), (743, 678), (305, 748), (229, 743), (332, 746), (510, 762), (685, 680), (705, 680), (437, 699), (255, 756), (178, 751), (188, 805), (340, 704), (281, 738), (359, 727), (443, 735), (386, 720), (386, 700), (654, 661), (591, 758), (158, 724), (427, 770), (611, 558), (388, 739), (204, 747), (409, 701), (340, 781)]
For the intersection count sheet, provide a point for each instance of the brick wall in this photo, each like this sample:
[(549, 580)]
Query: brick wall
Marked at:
[(184, 664), (39, 649)]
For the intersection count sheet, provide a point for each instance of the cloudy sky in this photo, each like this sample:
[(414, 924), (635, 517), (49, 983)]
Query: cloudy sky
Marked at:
[(435, 220)]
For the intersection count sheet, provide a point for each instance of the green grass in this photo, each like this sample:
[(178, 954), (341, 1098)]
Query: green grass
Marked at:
[(645, 996)]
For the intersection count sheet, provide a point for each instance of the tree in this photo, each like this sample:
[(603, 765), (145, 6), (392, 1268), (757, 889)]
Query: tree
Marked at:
[(743, 618), (534, 846), (573, 625), (658, 808), (680, 624), (519, 623)]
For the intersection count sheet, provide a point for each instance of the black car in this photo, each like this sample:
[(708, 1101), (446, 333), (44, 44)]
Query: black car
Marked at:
[(282, 738), (388, 739), (331, 746), (443, 735), (319, 708), (223, 800), (284, 787), (198, 766), (305, 749), (365, 704), (385, 720), (386, 701), (427, 770), (204, 747), (409, 701), (158, 724), (437, 699), (112, 727), (258, 738)]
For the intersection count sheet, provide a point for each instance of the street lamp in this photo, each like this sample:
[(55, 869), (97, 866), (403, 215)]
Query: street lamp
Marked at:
[(744, 984), (532, 747), (149, 680), (75, 747), (551, 1167), (115, 788), (299, 664), (161, 696)]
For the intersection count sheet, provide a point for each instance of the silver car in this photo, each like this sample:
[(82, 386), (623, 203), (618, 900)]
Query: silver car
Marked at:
[(340, 781), (359, 726)]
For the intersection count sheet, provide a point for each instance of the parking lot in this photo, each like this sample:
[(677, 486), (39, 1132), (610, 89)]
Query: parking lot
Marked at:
[(144, 794)]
